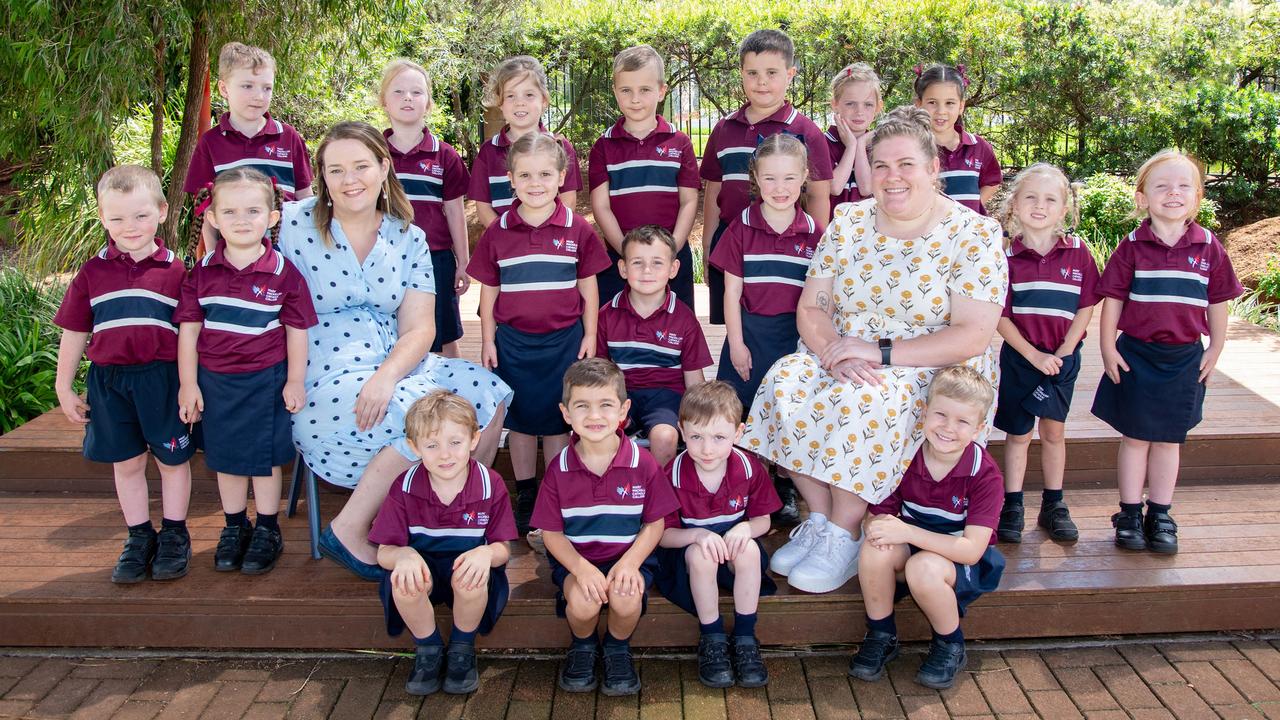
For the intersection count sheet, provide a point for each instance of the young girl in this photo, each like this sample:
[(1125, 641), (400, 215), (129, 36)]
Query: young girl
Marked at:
[(765, 254), (856, 100), (1052, 290), (244, 315), (518, 87), (1165, 285), (435, 181), (538, 304), (970, 171)]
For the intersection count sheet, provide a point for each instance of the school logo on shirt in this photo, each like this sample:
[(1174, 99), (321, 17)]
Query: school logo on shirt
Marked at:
[(266, 293), (957, 502), (176, 443), (276, 151), (1074, 273), (635, 492), (667, 337), (738, 502), (1194, 261), (673, 153), (566, 245), (975, 163), (802, 249), (479, 518)]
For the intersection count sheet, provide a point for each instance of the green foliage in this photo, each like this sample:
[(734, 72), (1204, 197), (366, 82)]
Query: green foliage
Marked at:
[(1256, 307), (28, 348), (1269, 283), (1106, 214)]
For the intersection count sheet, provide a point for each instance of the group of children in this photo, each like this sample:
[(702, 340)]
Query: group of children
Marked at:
[(225, 344)]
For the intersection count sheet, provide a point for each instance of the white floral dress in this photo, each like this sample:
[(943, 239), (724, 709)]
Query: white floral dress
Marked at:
[(860, 437)]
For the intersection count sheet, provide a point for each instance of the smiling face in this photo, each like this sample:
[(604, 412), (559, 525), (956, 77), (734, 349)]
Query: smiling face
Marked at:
[(242, 213), (710, 443), (639, 92), (248, 92), (1171, 192), (1040, 204), (904, 179), (407, 98), (536, 180), (945, 105), (765, 78), (648, 267), (522, 105), (595, 412), (780, 179), (353, 176), (951, 424), (859, 104), (131, 219), (446, 450)]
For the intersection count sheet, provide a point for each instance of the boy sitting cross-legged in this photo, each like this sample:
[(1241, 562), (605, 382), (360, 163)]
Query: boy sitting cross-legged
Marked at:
[(601, 508)]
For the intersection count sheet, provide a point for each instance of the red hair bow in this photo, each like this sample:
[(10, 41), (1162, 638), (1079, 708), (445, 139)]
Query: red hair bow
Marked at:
[(965, 78)]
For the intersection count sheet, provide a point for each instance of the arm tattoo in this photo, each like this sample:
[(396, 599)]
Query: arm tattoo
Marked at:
[(824, 302)]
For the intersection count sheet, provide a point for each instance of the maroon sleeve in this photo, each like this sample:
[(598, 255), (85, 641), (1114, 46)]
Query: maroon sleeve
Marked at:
[(597, 165), (990, 174), (762, 498), (1223, 283), (1089, 295), (502, 521), (602, 331), (483, 266), (688, 175), (592, 258), (200, 171), (478, 185), (456, 177), (573, 173), (189, 310), (659, 497), (888, 506), (727, 255), (1007, 311), (986, 494), (1118, 275), (710, 169), (298, 310), (75, 313), (302, 176), (694, 354), (820, 165), (546, 510), (391, 526), (672, 520)]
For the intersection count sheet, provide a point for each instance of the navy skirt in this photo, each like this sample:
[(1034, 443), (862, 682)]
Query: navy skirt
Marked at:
[(673, 577), (768, 337), (1160, 398), (448, 317), (246, 429), (533, 365), (1025, 393), (715, 279), (648, 571), (441, 567), (972, 581)]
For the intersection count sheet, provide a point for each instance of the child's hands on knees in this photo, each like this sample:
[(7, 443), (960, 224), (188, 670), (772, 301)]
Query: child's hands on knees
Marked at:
[(625, 579), (190, 403), (411, 576), (713, 546), (593, 583), (1113, 363), (294, 396), (736, 540), (886, 531), (73, 406), (471, 568)]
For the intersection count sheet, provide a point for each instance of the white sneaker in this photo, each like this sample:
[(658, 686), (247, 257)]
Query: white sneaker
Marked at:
[(833, 561), (803, 537)]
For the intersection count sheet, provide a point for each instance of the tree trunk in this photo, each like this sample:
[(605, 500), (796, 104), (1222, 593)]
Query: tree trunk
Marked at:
[(157, 100), (197, 70)]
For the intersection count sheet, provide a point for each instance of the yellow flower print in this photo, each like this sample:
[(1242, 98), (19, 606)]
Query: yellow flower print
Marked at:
[(800, 424), (814, 445), (857, 487)]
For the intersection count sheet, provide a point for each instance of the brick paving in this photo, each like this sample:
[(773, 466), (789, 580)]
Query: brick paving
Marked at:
[(1210, 679)]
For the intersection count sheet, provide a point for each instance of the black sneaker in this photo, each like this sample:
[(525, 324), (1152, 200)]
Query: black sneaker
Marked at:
[(1011, 523), (461, 676), (1161, 533), (878, 649), (173, 554), (264, 550), (789, 513), (1056, 519), (428, 667), (1129, 535), (233, 543), (525, 500), (139, 551), (578, 674), (938, 671), (747, 663), (620, 676), (714, 668)]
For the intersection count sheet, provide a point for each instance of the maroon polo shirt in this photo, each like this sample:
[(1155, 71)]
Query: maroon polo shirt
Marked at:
[(489, 180), (745, 492), (1046, 291), (644, 174), (536, 269), (1167, 290), (244, 312), (277, 151), (127, 306), (971, 494), (850, 192), (413, 516), (601, 515), (969, 168), (772, 265), (431, 174), (734, 139), (654, 351)]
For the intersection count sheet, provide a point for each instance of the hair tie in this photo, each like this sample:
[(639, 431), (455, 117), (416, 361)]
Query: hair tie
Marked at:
[(963, 77), (918, 70), (208, 199), (848, 72)]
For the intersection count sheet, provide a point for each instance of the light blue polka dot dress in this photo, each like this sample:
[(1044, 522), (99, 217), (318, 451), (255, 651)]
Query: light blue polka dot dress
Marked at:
[(357, 305)]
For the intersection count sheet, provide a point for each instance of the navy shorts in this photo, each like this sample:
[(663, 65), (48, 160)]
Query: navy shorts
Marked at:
[(654, 406), (1025, 393), (132, 409), (768, 337), (715, 280), (245, 427), (972, 581), (448, 317), (441, 567), (1160, 398), (533, 365), (673, 577), (611, 283), (648, 570)]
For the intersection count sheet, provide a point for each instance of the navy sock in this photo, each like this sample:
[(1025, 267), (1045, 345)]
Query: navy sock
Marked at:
[(744, 625), (1157, 507), (1131, 508), (142, 526), (270, 522), (1050, 496), (1013, 498), (955, 636), (612, 642), (886, 624), (715, 626), (527, 484), (237, 519), (433, 639), (588, 641), (462, 637), (167, 523)]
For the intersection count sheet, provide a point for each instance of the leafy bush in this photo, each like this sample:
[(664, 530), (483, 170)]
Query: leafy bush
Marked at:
[(1106, 213), (28, 348), (1269, 283)]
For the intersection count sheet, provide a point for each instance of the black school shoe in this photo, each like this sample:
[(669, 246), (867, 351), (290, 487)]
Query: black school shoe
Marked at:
[(461, 676), (714, 668), (428, 668), (264, 550), (578, 674), (526, 498), (1012, 520), (1129, 535), (139, 550), (233, 543), (173, 554), (620, 676), (789, 513), (878, 649), (1161, 533), (1055, 518), (938, 671), (747, 663)]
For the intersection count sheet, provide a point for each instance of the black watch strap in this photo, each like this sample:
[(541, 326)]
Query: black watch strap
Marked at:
[(886, 350)]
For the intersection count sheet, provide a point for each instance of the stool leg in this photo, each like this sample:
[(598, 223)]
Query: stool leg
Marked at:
[(295, 488), (313, 510)]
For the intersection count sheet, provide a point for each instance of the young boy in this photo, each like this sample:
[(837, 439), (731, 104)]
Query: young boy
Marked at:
[(767, 62), (442, 533), (643, 171), (125, 297), (601, 508), (933, 538), (653, 336), (711, 542)]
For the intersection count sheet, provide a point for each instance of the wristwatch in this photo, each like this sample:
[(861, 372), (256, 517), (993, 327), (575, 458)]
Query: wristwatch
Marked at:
[(886, 350)]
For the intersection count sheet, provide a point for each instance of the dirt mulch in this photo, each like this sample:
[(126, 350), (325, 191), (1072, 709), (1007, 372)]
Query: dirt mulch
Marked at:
[(1249, 247)]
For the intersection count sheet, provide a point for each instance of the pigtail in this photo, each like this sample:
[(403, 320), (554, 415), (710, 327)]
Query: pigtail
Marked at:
[(202, 199), (1073, 212), (278, 205)]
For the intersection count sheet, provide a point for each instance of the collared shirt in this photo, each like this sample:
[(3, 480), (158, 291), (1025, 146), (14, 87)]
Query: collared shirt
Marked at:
[(489, 180), (602, 514), (654, 351), (278, 151), (969, 168), (127, 305), (432, 174), (745, 492), (536, 269), (733, 141), (413, 516), (772, 265), (850, 192), (244, 311), (1167, 290), (1046, 291), (971, 494), (644, 174)]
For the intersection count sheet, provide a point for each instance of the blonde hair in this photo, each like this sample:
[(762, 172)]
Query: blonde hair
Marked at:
[(855, 73), (905, 121), (235, 55), (710, 401), (779, 144), (393, 70), (963, 384), (127, 178), (593, 373), (237, 175), (514, 69), (1008, 212), (535, 143), (430, 411), (391, 200), (637, 57), (1160, 158)]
